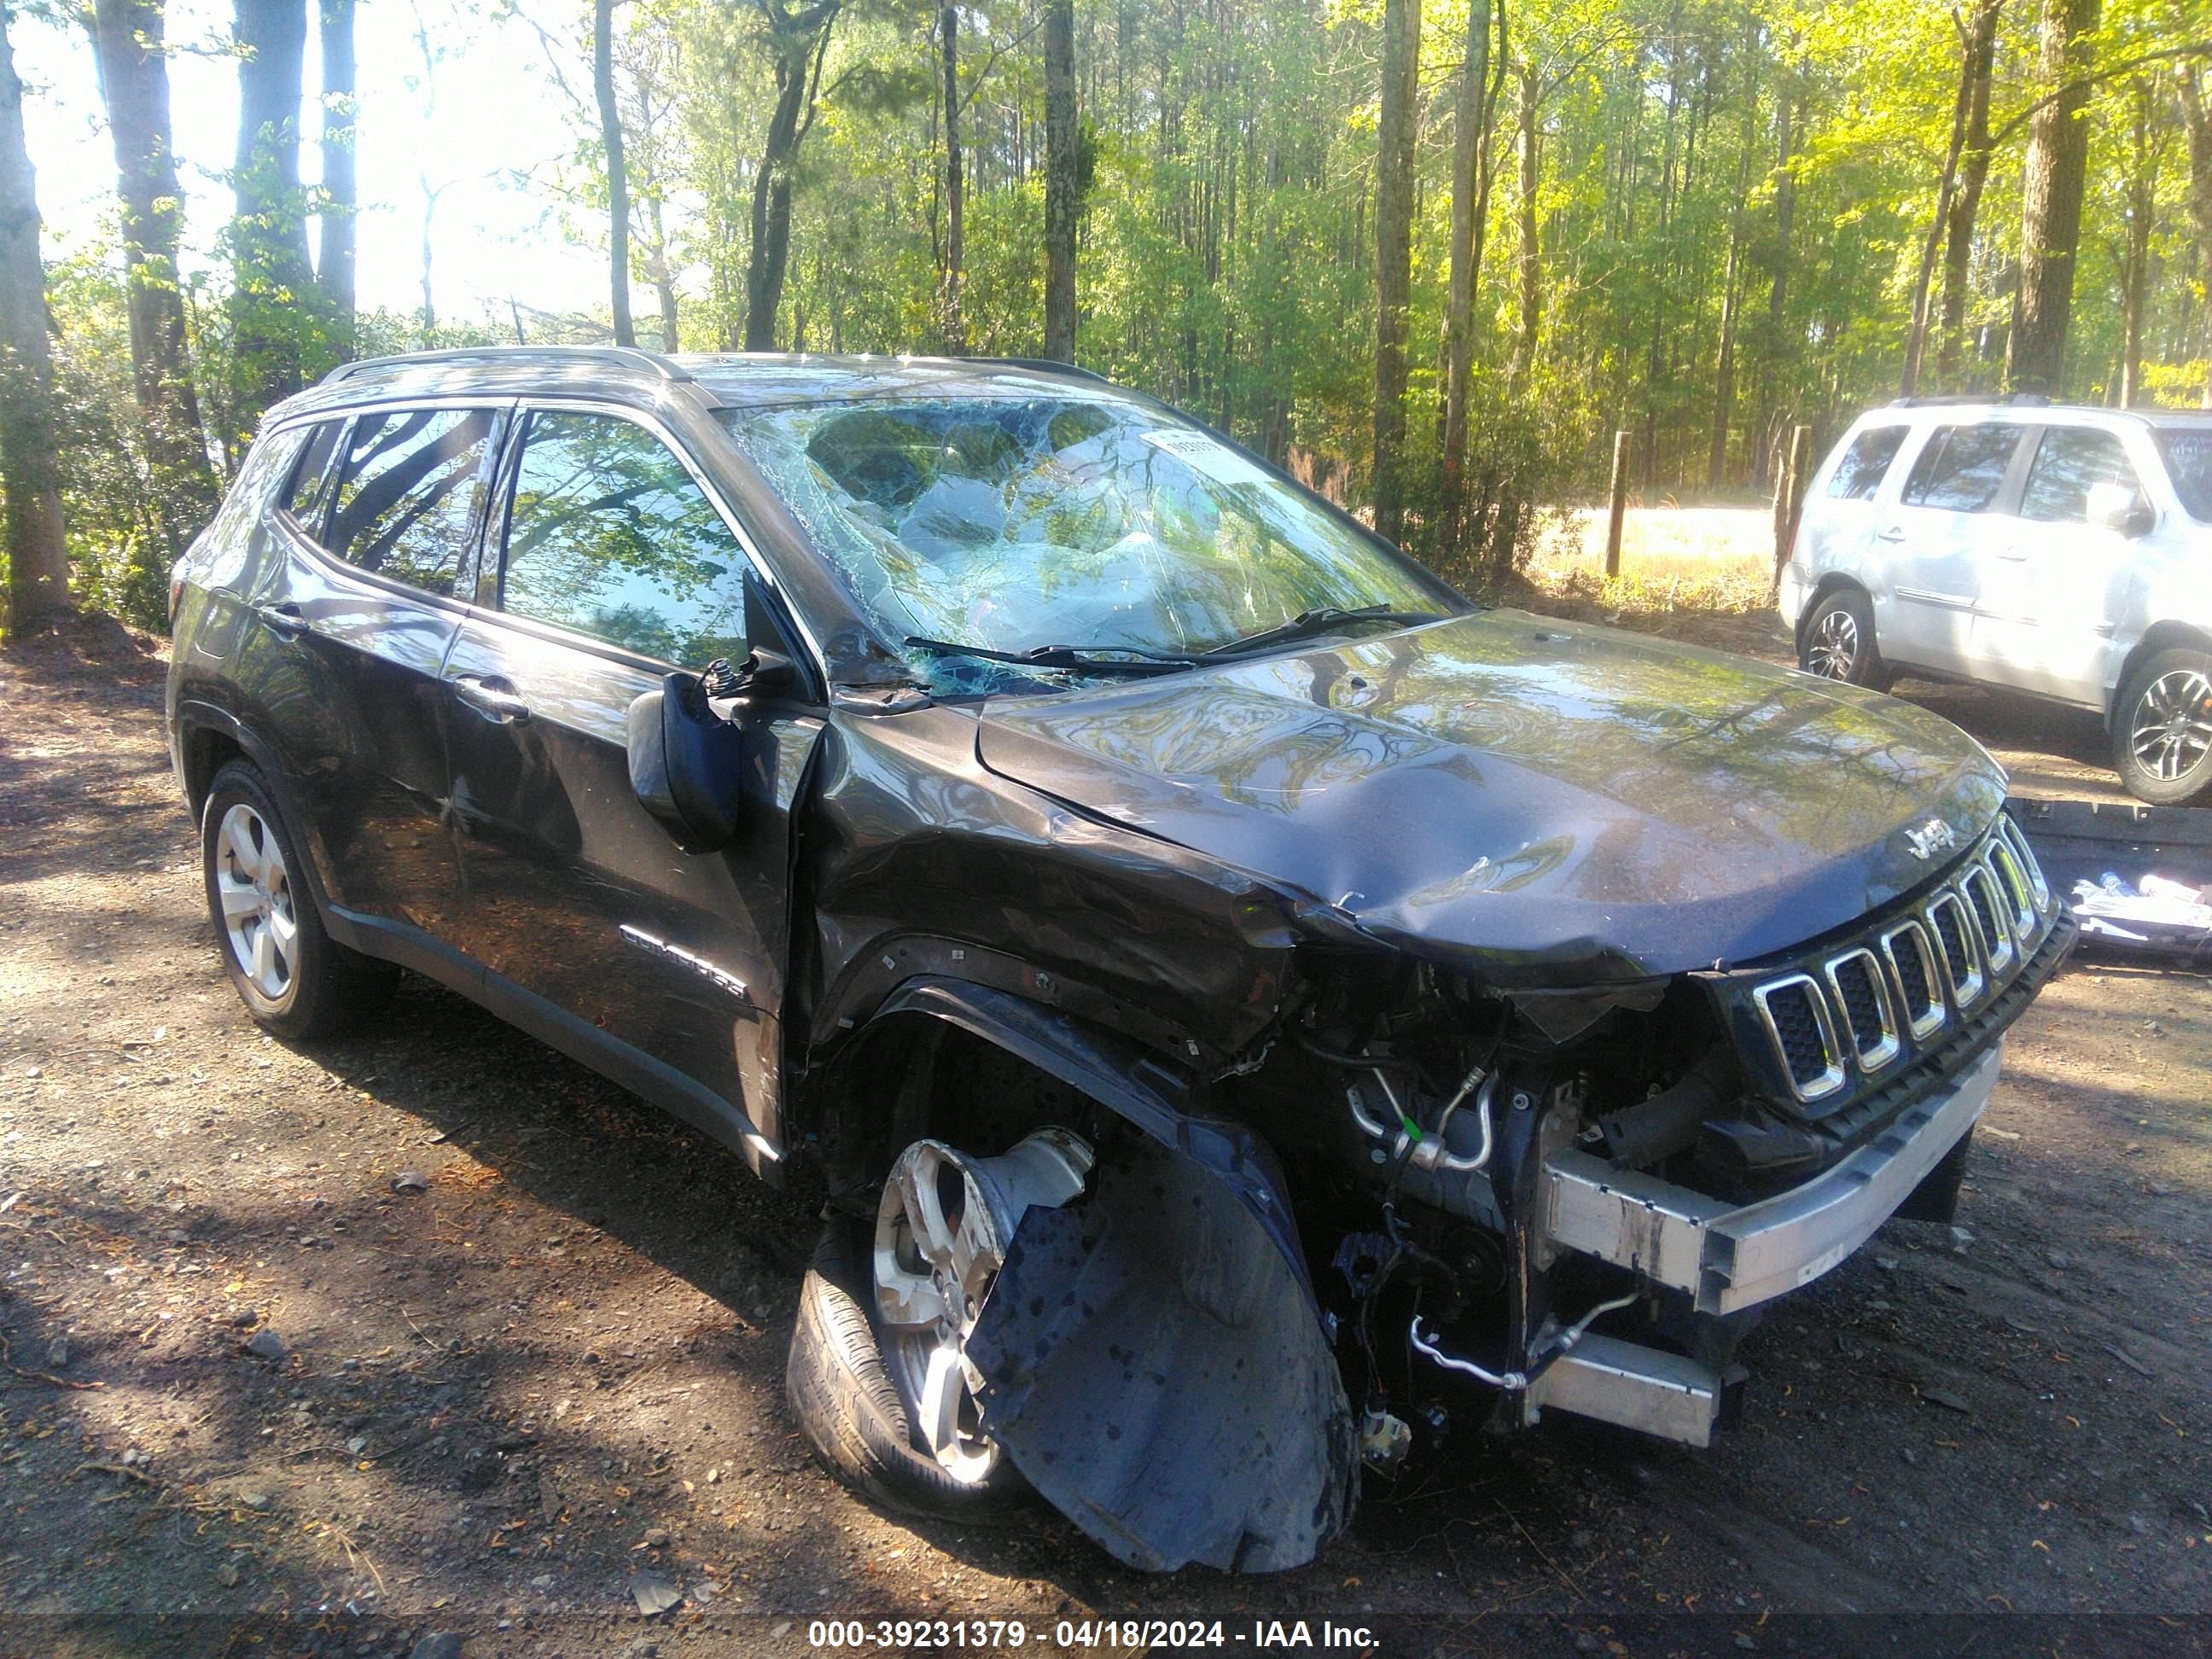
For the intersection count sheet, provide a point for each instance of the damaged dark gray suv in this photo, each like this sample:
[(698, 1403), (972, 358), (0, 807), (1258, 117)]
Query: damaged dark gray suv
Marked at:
[(1247, 1005)]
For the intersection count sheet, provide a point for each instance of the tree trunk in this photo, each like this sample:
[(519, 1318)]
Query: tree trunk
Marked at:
[(1916, 333), (272, 277), (1725, 365), (1966, 201), (798, 39), (1394, 254), (1532, 291), (2134, 270), (1061, 182), (335, 269), (2051, 189), (38, 557), (133, 83), (664, 279), (948, 36), (1470, 216), (2196, 117), (610, 136)]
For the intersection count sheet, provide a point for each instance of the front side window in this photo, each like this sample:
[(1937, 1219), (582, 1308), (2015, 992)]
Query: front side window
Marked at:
[(1962, 468), (1866, 463), (407, 493), (2070, 463), (1083, 522), (2188, 452), (609, 535)]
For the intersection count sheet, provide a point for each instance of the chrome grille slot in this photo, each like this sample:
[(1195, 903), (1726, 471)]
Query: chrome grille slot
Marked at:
[(1797, 1021), (2021, 898), (1954, 941), (2024, 855), (1912, 964), (1980, 889), (1862, 994)]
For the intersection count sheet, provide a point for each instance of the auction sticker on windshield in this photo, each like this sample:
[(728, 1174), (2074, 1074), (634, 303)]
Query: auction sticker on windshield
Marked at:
[(1206, 456)]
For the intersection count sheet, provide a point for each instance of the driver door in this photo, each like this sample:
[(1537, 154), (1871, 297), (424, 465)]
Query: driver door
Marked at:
[(608, 566)]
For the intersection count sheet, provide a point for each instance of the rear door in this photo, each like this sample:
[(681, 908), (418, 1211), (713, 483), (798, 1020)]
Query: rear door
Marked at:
[(379, 525), (2056, 584), (1936, 532), (611, 565)]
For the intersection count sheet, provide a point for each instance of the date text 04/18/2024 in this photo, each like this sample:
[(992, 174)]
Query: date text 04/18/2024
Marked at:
[(1077, 1635)]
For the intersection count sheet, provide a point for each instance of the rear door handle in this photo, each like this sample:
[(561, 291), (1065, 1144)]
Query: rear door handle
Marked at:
[(2012, 555), (494, 698), (283, 619), (1892, 534)]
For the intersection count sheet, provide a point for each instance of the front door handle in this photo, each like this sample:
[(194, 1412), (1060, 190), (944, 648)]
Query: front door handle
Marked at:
[(494, 698), (2012, 555), (283, 619)]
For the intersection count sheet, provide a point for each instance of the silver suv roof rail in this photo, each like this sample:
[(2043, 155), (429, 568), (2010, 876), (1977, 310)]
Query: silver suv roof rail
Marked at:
[(651, 362), (2013, 399), (1045, 365)]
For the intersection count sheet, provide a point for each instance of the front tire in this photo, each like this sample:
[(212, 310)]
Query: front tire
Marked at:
[(1837, 641), (2162, 731), (295, 979)]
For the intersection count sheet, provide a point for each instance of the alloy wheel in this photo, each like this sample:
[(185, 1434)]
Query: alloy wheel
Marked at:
[(1832, 650), (941, 1237), (255, 891), (2170, 728)]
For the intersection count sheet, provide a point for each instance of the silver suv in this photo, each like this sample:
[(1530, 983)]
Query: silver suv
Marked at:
[(2064, 552)]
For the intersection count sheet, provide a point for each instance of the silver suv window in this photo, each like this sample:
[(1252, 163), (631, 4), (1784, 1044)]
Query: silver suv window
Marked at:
[(2068, 463), (1866, 463), (1962, 468), (2188, 452)]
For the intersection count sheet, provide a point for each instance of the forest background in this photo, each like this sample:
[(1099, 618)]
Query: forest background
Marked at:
[(1431, 255)]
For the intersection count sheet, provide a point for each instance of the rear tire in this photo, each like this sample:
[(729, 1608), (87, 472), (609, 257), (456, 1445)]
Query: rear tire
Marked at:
[(2162, 728), (841, 1393), (295, 979), (1837, 641)]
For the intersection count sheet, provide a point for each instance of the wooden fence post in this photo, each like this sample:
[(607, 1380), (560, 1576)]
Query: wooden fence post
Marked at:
[(1789, 496), (1620, 504)]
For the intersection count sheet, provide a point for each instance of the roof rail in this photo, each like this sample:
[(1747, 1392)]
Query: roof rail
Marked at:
[(1044, 365), (651, 362), (2015, 399)]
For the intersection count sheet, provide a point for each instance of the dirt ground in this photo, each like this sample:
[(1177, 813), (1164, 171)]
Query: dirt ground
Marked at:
[(261, 1395)]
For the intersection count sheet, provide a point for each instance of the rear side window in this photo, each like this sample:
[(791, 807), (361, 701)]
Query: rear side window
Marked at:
[(305, 493), (610, 536), (407, 492), (2069, 462), (1962, 468), (2188, 452), (1858, 476)]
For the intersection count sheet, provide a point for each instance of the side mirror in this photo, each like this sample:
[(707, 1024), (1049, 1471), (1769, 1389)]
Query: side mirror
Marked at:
[(2115, 507), (685, 765)]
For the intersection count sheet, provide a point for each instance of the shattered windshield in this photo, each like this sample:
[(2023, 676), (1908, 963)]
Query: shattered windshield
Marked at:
[(1089, 526)]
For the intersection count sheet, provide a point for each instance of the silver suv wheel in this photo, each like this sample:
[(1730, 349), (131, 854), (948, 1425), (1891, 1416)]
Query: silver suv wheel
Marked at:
[(1832, 647), (941, 1236), (2170, 727), (255, 891)]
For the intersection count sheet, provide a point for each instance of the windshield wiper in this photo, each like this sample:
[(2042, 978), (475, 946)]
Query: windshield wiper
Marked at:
[(1307, 624), (1136, 661)]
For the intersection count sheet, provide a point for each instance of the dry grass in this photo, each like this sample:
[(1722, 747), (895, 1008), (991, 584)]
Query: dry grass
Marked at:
[(1715, 559)]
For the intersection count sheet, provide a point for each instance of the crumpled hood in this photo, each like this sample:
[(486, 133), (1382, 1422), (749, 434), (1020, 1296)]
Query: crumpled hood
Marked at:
[(1545, 801)]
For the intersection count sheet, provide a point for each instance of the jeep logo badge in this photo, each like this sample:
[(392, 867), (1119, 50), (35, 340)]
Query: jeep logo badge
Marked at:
[(1930, 838)]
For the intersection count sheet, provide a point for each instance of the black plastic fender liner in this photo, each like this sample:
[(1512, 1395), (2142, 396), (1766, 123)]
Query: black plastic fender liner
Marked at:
[(1154, 1365)]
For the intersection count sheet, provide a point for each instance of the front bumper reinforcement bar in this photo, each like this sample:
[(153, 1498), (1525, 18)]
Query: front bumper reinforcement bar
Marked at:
[(1727, 1257)]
